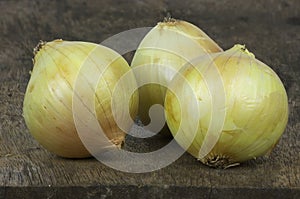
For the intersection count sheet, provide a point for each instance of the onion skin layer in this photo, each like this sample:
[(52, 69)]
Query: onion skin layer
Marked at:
[(256, 108), (47, 107), (171, 43)]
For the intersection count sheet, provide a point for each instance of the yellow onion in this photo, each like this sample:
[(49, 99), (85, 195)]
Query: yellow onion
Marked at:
[(255, 108), (47, 107), (170, 44)]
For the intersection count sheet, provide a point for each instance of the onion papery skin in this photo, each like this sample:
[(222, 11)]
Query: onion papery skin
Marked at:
[(171, 43), (47, 107), (256, 107)]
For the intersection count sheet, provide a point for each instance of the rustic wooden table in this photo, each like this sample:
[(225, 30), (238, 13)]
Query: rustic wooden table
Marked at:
[(270, 29)]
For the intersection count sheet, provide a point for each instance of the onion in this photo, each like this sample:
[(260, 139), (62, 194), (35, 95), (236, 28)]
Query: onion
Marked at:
[(240, 119), (170, 44), (47, 107)]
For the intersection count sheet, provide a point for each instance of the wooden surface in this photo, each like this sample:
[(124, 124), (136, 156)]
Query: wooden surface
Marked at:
[(270, 29)]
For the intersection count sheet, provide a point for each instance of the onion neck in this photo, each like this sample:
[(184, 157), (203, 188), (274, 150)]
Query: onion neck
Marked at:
[(243, 50), (169, 19), (38, 47)]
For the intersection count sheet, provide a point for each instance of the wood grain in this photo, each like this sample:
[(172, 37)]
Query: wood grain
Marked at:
[(270, 29)]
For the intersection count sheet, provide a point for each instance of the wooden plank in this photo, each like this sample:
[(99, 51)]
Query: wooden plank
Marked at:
[(270, 30)]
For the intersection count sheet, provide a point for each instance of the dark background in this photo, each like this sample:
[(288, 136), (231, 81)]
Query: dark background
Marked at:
[(270, 29)]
